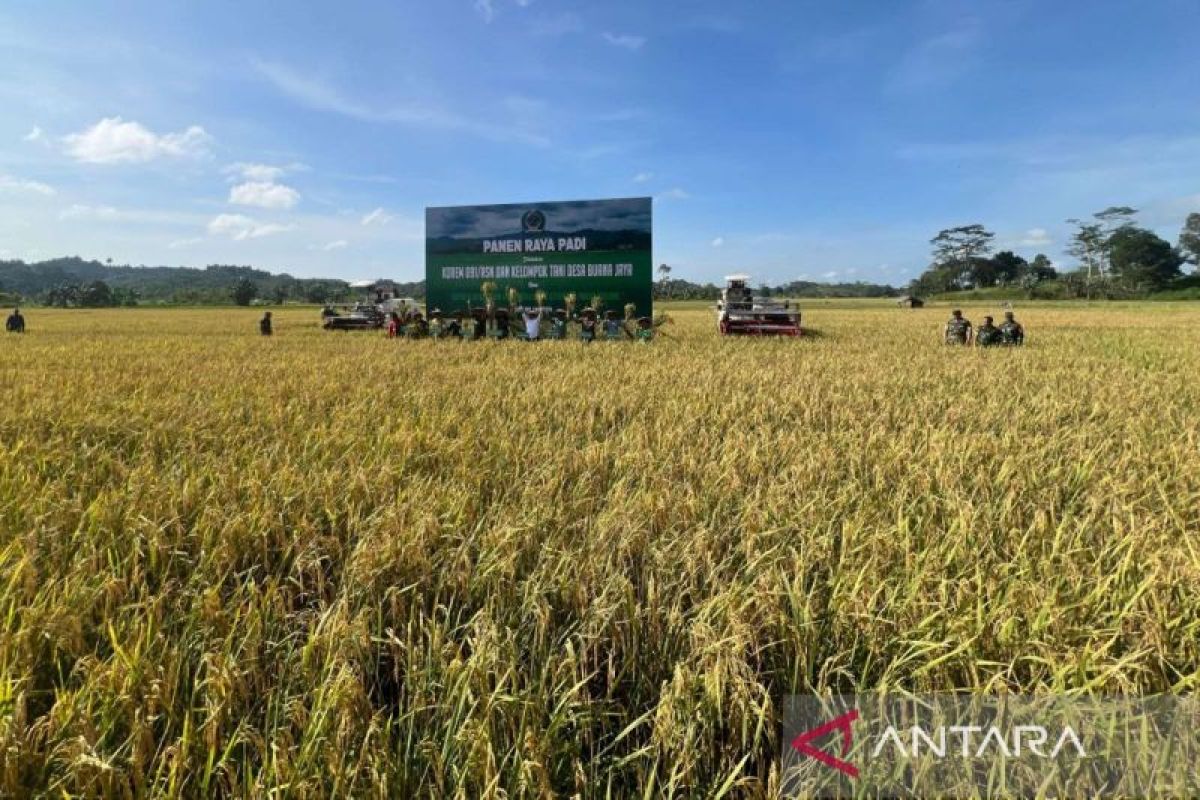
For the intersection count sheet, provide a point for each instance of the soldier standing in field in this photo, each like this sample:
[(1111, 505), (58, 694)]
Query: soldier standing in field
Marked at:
[(1012, 333), (958, 330), (988, 334), (264, 324)]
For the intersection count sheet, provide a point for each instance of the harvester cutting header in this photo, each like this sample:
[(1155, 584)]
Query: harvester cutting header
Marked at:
[(739, 312)]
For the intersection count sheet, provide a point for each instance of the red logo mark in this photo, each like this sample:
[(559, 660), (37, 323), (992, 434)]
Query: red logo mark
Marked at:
[(842, 723)]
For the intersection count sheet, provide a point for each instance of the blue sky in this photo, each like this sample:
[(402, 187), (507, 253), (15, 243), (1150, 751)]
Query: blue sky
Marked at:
[(788, 139)]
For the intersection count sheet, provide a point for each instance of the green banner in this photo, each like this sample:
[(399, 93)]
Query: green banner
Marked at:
[(587, 247)]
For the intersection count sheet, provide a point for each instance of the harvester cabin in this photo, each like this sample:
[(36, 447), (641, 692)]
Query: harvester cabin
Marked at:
[(377, 292)]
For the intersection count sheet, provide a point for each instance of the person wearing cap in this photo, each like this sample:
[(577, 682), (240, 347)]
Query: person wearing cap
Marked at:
[(958, 330), (454, 326), (533, 324), (587, 325), (612, 326), (988, 334), (1012, 333), (436, 326), (417, 327), (15, 322), (264, 324)]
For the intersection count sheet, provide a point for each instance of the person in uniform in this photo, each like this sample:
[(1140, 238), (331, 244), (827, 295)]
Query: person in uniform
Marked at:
[(587, 325), (612, 326), (264, 324), (1012, 333), (15, 322), (558, 325), (958, 330), (988, 334)]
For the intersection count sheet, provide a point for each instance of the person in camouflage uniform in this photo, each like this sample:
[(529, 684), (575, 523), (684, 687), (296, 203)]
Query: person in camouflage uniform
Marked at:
[(988, 334), (958, 330), (1012, 333), (558, 325)]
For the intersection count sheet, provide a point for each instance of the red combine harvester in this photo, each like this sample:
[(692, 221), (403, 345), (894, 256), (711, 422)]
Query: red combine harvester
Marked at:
[(739, 312)]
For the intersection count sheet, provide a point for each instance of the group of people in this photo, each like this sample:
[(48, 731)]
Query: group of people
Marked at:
[(530, 325), (15, 322), (959, 331)]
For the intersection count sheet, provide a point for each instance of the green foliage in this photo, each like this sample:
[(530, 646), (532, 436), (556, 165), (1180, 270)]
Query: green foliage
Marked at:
[(1142, 259), (244, 291), (1189, 239), (184, 285)]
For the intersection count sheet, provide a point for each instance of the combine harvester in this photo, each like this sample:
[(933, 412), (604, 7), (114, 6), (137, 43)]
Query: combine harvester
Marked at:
[(739, 312)]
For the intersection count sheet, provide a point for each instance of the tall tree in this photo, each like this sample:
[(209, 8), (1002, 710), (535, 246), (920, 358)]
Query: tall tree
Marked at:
[(1142, 258), (1007, 266), (1189, 239), (1042, 268), (955, 251), (1089, 246), (244, 291)]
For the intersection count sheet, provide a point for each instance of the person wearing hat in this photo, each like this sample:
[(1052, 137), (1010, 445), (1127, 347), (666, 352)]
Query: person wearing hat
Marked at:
[(958, 330), (988, 334), (533, 324), (436, 327), (645, 330), (1012, 333)]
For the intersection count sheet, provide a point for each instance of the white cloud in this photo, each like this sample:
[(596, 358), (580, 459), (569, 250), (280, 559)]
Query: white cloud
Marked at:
[(254, 172), (718, 242), (264, 194), (181, 243), (1036, 237), (377, 217), (239, 227), (337, 245), (831, 274), (628, 41), (642, 177), (485, 9), (78, 211), (10, 184), (35, 135), (114, 141), (674, 194)]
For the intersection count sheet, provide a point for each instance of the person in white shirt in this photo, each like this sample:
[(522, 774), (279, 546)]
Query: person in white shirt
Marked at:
[(533, 325)]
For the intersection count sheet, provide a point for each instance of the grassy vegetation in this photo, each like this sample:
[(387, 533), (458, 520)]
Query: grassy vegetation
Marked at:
[(329, 564)]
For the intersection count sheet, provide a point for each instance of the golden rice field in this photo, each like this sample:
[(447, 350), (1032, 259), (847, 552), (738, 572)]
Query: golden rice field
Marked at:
[(330, 564)]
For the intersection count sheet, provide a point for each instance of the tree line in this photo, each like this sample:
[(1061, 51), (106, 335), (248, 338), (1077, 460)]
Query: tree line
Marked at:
[(1115, 258), (78, 283)]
